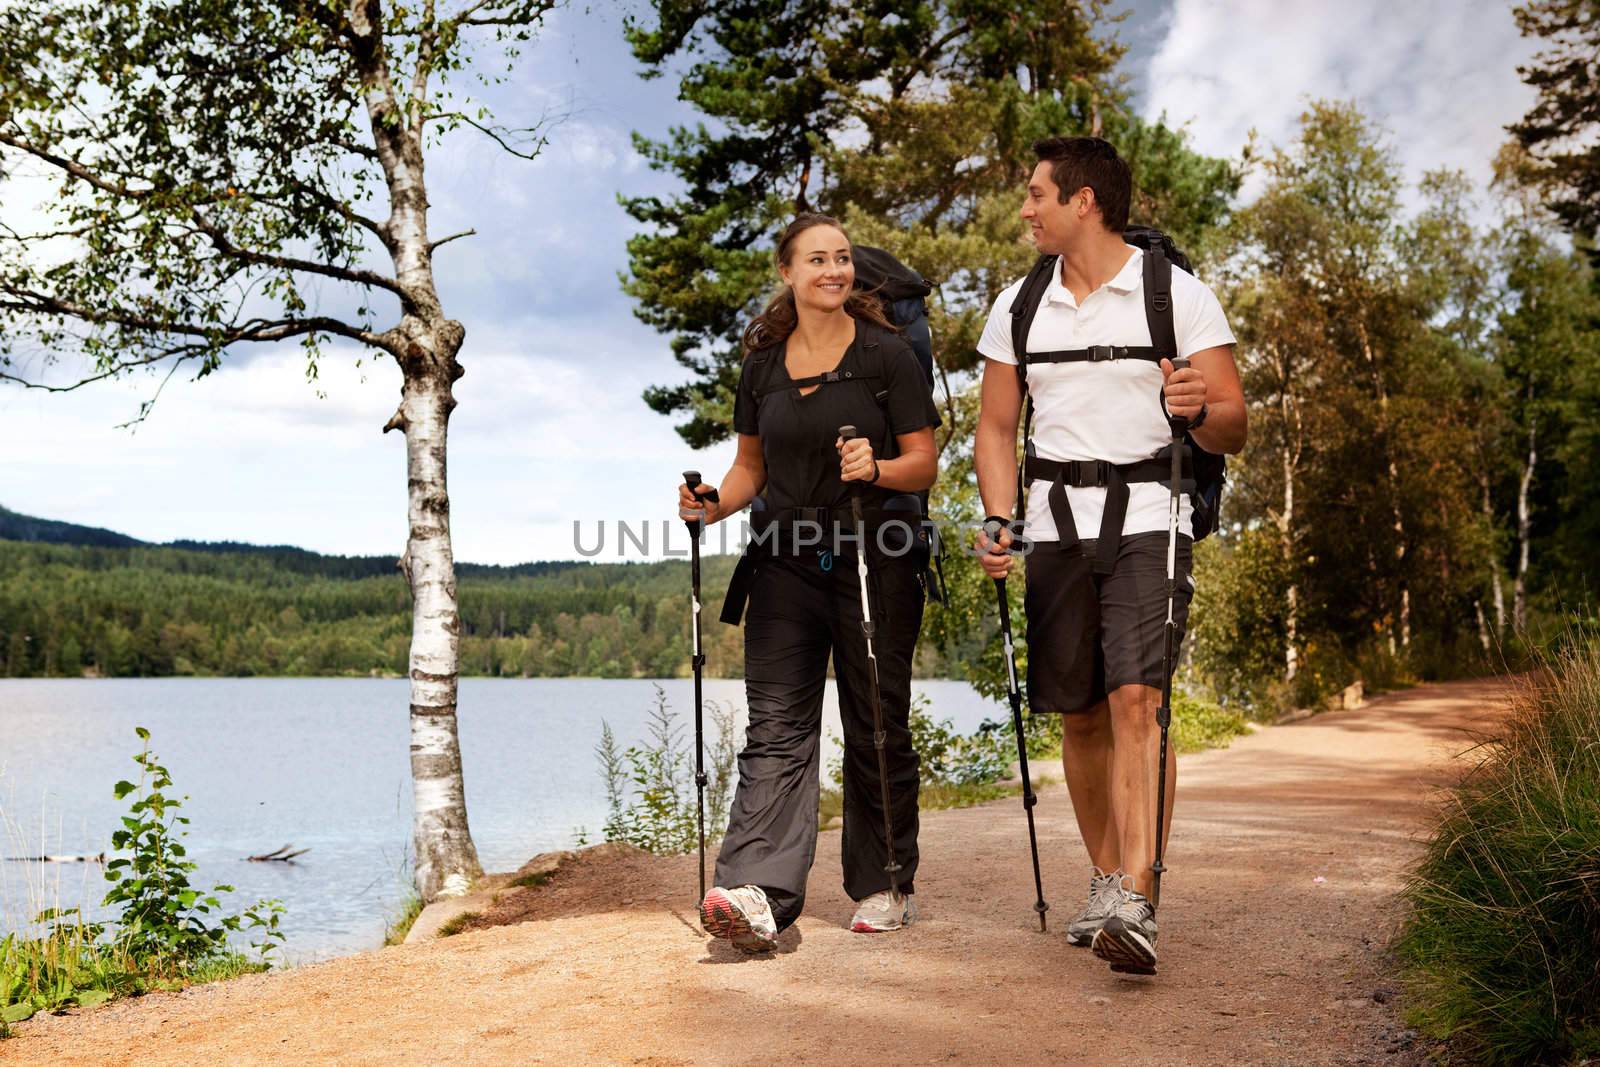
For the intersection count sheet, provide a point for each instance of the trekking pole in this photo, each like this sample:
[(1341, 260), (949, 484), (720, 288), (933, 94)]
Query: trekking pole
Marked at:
[(879, 737), (1179, 427), (697, 527), (1014, 691)]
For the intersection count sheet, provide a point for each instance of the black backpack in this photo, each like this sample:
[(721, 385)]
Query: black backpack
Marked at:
[(903, 293), (1161, 254)]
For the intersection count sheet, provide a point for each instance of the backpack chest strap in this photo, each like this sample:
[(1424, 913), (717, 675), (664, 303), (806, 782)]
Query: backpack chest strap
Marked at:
[(1097, 354), (825, 378)]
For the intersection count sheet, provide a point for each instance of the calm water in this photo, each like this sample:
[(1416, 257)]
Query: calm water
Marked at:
[(321, 764)]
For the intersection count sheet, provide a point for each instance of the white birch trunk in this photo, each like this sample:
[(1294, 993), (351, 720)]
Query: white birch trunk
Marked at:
[(425, 345), (1291, 644), (1497, 589), (446, 860), (1519, 591)]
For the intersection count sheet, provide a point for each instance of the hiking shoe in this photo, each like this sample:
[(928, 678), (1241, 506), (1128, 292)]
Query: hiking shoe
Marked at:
[(1127, 940), (741, 916), (1105, 891), (884, 911)]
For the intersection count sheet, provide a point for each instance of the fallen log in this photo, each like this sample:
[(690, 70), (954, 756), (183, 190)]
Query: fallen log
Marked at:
[(283, 854)]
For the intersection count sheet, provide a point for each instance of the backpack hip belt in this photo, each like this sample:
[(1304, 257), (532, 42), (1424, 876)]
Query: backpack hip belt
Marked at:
[(781, 530), (1098, 473)]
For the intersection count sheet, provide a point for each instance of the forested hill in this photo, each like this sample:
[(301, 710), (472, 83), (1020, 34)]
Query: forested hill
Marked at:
[(15, 527), (78, 600), (18, 527)]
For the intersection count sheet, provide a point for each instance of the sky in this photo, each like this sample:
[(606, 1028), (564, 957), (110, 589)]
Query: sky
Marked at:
[(550, 429)]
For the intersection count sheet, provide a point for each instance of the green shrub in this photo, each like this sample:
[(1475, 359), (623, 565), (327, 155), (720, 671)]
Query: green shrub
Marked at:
[(651, 798), (1201, 724), (1502, 947), (953, 759), (165, 925), (165, 932)]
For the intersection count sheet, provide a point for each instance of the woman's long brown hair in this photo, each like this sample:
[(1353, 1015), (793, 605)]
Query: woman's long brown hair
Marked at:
[(774, 325)]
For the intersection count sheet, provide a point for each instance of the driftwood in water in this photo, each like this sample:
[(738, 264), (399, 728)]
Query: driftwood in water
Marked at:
[(101, 858), (285, 854)]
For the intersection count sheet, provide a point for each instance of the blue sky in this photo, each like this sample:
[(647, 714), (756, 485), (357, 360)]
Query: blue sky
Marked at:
[(550, 426)]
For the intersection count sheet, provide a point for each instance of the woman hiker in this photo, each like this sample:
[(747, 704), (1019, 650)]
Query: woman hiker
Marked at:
[(819, 358)]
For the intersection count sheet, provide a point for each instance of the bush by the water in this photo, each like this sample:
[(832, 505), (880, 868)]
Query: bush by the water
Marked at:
[(651, 799), (1502, 947), (164, 932)]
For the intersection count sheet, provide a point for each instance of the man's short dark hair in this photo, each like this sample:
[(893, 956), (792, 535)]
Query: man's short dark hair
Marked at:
[(1090, 161)]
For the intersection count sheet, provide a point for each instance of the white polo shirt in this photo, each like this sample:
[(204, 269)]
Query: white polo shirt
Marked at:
[(1109, 410)]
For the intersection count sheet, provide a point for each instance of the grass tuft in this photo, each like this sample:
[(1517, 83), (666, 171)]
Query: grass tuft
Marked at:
[(396, 929), (458, 924), (532, 880), (1502, 947)]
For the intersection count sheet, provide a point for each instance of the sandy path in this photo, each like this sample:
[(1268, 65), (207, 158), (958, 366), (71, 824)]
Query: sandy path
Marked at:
[(1260, 963)]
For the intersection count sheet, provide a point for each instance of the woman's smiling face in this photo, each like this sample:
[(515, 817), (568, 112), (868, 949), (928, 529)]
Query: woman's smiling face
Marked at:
[(820, 269)]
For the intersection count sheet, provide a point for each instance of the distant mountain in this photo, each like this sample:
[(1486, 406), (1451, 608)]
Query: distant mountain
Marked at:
[(15, 527), (18, 527)]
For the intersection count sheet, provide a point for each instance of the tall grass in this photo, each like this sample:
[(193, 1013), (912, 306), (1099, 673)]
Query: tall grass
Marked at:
[(1502, 947)]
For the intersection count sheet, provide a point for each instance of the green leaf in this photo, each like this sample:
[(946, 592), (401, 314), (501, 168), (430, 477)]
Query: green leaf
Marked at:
[(123, 788), (144, 735), (16, 1013), (88, 998)]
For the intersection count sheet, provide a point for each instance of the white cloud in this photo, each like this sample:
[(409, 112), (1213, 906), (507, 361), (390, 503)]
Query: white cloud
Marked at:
[(545, 433), (1440, 75)]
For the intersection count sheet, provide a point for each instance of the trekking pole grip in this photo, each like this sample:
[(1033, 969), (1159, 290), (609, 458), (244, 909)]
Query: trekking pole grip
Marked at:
[(1178, 423), (692, 480)]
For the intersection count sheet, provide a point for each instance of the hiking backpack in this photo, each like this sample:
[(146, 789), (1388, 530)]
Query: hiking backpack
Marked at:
[(1209, 469), (903, 293)]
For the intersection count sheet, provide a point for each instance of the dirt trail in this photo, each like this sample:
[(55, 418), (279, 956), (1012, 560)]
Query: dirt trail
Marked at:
[(1261, 963)]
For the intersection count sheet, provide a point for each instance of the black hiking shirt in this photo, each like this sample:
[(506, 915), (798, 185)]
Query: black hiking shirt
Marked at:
[(797, 432)]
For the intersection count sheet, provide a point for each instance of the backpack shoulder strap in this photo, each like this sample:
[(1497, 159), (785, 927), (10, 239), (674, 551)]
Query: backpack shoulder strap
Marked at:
[(1158, 304), (1025, 307)]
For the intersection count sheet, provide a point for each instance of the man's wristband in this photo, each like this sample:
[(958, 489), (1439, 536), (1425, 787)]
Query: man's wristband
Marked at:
[(875, 472)]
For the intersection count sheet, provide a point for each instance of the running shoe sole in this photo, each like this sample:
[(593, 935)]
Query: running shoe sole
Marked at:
[(721, 918), (1127, 950)]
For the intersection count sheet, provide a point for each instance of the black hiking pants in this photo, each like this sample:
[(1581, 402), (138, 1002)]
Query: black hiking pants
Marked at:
[(799, 615)]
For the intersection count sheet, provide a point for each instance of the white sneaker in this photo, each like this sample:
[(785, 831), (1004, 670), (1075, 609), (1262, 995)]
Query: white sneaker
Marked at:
[(1105, 893), (742, 916), (884, 911)]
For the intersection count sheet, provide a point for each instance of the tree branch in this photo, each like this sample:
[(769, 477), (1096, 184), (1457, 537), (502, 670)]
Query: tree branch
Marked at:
[(495, 133), (220, 241), (468, 16), (340, 208), (419, 77), (256, 329), (446, 240), (74, 168)]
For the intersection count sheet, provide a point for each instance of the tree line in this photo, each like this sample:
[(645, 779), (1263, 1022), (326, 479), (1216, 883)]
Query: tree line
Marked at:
[(68, 610)]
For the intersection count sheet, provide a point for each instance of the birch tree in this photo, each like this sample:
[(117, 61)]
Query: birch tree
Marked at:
[(215, 172)]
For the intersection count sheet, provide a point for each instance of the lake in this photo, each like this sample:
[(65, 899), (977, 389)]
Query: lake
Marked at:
[(321, 763)]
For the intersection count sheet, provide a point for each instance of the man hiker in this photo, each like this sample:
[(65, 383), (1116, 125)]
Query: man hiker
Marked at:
[(1103, 390)]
